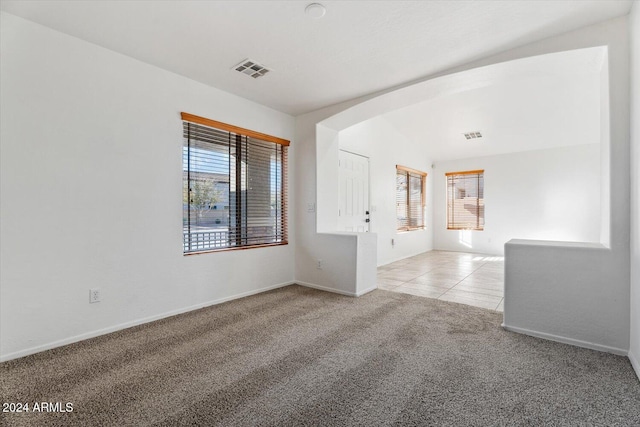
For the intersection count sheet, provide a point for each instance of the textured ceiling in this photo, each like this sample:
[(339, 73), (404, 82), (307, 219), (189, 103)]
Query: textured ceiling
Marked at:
[(358, 48)]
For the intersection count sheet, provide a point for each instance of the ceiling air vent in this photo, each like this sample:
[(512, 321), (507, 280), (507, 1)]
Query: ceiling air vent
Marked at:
[(473, 135), (251, 68)]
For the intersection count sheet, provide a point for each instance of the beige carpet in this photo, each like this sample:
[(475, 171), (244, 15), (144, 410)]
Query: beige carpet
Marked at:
[(298, 356)]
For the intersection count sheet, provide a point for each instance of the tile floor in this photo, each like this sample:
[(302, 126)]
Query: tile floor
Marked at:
[(465, 278)]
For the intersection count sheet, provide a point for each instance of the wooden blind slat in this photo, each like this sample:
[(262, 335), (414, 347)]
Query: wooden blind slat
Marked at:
[(231, 128), (415, 171), (476, 172)]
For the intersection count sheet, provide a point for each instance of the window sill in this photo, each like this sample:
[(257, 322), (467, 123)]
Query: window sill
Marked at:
[(235, 248)]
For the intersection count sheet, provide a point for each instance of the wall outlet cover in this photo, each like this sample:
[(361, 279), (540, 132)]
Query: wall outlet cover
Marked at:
[(94, 295)]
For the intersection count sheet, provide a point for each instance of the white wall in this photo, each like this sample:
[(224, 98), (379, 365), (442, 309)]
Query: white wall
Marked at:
[(387, 147), (91, 190), (548, 286), (605, 156), (314, 216), (611, 313), (551, 194), (564, 292), (634, 346)]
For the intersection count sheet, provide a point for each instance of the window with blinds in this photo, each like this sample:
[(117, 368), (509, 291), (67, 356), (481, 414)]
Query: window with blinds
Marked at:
[(234, 187), (410, 198), (465, 200)]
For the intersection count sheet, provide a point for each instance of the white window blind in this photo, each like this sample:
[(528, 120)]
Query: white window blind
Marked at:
[(410, 198), (465, 200), (234, 188)]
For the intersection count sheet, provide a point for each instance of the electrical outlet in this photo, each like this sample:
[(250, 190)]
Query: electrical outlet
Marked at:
[(319, 264), (94, 295)]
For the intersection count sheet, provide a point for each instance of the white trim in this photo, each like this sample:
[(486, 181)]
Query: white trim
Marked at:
[(411, 254), (565, 340), (326, 288), (93, 334), (366, 291), (635, 363), (335, 291)]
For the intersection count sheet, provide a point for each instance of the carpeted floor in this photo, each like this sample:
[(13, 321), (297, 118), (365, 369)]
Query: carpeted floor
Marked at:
[(297, 356)]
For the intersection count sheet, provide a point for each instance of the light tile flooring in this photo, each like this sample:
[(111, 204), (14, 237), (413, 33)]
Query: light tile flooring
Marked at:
[(465, 278)]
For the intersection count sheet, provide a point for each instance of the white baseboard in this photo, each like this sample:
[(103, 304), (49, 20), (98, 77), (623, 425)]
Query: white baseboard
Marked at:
[(93, 334), (366, 291), (336, 291), (400, 258), (635, 363), (326, 289), (565, 340)]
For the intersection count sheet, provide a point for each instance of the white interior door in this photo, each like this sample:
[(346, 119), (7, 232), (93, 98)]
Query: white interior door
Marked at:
[(353, 192)]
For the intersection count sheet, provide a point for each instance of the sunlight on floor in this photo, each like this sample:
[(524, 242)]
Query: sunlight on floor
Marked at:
[(464, 278), (489, 258)]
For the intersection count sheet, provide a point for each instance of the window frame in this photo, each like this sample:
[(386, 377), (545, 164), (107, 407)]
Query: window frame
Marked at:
[(423, 198), (478, 227), (247, 133)]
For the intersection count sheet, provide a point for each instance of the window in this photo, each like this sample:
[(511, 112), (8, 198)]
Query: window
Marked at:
[(465, 200), (410, 198), (234, 187)]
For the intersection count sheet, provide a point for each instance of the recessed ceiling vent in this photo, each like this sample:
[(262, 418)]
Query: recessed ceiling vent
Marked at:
[(251, 68), (473, 135)]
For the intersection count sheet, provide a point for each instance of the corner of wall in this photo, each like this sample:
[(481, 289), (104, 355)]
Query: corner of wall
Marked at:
[(634, 297), (605, 155)]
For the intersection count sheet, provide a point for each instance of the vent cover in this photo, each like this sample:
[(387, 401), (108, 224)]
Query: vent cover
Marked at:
[(251, 68), (473, 135)]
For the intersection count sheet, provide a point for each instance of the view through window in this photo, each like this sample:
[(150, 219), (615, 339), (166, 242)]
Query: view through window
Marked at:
[(465, 200), (410, 198), (234, 187)]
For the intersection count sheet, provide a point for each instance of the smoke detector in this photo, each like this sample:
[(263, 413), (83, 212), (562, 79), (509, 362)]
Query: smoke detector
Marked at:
[(472, 135), (251, 68)]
